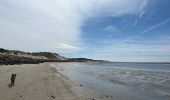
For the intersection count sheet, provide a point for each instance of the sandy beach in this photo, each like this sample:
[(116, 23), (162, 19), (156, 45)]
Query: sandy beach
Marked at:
[(35, 82), (72, 81)]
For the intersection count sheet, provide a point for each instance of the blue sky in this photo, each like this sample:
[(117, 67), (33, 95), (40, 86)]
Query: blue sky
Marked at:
[(135, 37), (116, 30)]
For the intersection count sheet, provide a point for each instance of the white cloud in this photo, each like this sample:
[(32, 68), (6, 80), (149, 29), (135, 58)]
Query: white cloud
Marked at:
[(33, 24), (63, 46)]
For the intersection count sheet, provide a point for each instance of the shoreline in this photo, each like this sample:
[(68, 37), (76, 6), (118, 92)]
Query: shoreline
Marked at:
[(41, 82), (82, 91)]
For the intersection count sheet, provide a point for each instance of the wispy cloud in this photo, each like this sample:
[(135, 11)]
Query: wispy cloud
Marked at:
[(38, 22), (64, 46), (110, 28), (156, 26), (145, 31), (139, 16)]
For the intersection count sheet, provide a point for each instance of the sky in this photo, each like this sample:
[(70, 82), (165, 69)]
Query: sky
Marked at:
[(114, 30)]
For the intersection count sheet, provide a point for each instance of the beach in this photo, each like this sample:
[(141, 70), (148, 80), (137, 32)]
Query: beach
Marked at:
[(36, 82), (82, 81)]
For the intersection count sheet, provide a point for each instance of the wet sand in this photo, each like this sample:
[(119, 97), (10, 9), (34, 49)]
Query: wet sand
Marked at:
[(38, 82), (119, 83)]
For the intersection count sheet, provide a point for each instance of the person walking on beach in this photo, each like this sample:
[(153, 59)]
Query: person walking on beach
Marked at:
[(13, 76)]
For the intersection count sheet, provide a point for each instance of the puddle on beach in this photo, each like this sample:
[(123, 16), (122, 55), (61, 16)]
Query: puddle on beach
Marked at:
[(120, 84)]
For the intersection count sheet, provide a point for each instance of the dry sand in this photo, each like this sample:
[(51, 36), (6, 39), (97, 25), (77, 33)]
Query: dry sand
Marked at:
[(35, 82)]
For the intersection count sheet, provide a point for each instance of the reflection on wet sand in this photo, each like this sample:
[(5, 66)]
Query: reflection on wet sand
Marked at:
[(120, 83)]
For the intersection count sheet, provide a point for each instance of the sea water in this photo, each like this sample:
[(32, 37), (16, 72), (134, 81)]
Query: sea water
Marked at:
[(122, 81)]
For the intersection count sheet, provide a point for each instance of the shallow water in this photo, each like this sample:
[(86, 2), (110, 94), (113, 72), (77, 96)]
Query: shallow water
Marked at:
[(123, 82)]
